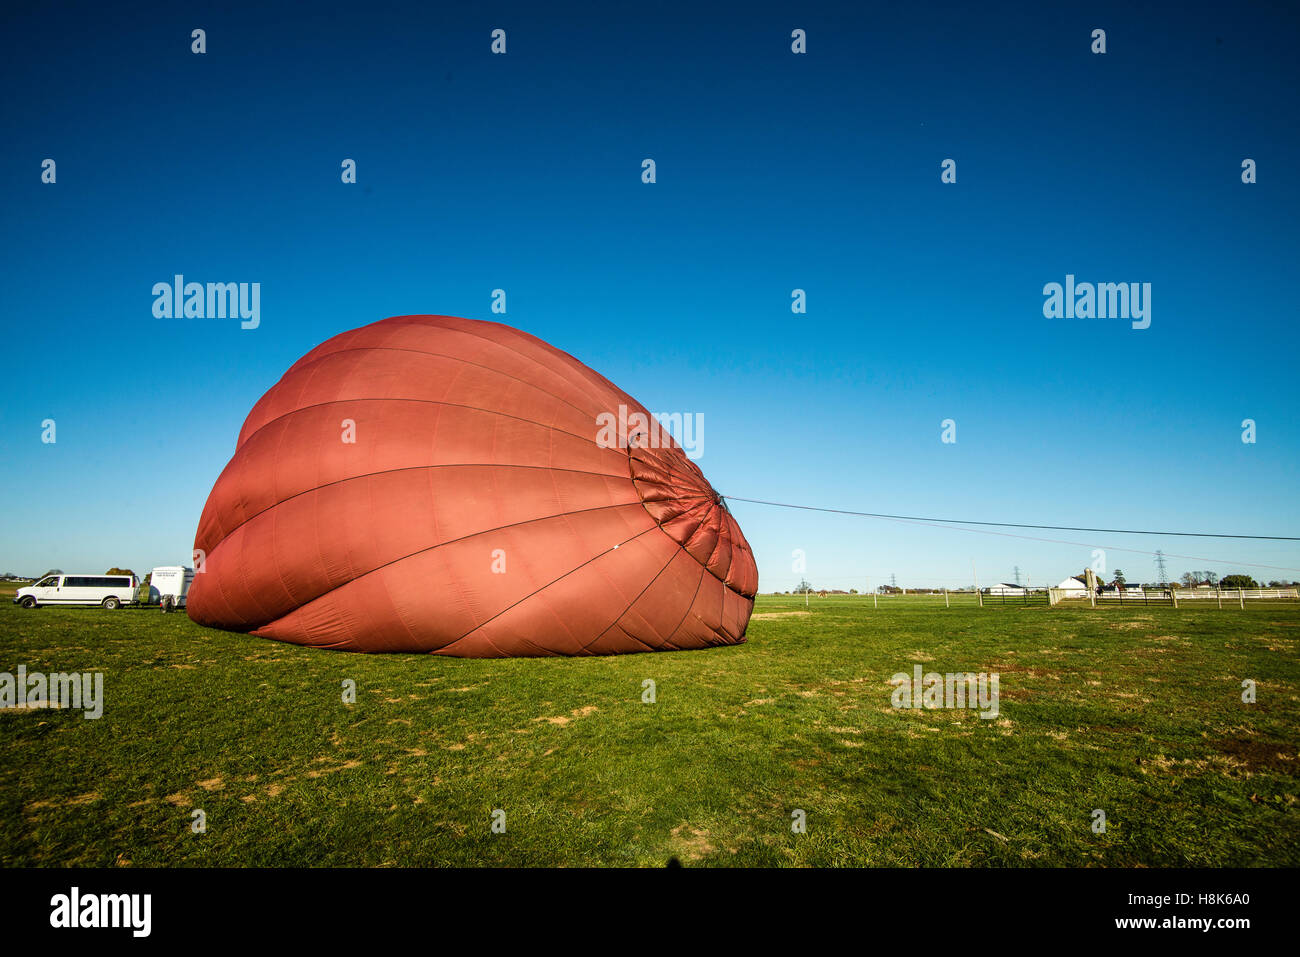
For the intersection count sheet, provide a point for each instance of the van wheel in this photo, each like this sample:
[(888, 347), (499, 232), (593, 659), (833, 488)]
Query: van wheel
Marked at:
[(111, 604), (27, 602)]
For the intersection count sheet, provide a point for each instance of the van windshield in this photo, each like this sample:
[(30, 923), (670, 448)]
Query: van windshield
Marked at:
[(47, 582)]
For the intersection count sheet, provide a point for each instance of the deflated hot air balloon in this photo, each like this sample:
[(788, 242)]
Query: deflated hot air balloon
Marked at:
[(442, 485)]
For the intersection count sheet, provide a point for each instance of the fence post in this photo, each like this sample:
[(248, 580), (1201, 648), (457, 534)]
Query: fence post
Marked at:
[(1241, 593), (1218, 593), (1173, 596), (945, 599)]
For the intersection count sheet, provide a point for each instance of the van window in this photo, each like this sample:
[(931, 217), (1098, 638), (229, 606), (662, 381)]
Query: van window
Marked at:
[(47, 582)]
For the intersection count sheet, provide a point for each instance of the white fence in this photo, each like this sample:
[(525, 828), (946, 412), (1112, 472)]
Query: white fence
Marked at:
[(1236, 596)]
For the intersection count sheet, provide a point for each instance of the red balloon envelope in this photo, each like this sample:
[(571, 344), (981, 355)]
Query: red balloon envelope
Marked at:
[(435, 484)]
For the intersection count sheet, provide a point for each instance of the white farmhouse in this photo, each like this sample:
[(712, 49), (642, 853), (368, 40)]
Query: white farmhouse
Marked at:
[(1073, 588)]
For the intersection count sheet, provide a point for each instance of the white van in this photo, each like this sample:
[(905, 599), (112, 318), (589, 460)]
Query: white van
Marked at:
[(109, 591), (168, 586)]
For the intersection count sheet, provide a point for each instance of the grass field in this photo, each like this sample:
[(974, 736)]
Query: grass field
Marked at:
[(1134, 711)]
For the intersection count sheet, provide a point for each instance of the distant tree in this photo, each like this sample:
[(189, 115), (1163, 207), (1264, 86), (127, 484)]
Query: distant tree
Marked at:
[(1119, 577), (1238, 581), (804, 587), (1188, 579), (120, 571)]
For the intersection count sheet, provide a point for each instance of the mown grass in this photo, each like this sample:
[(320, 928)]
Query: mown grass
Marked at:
[(1135, 711)]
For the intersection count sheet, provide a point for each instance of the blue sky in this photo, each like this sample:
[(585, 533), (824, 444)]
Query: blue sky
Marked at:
[(775, 172)]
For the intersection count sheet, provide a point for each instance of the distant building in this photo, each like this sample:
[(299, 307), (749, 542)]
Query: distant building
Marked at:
[(1006, 588), (1114, 588), (1072, 586)]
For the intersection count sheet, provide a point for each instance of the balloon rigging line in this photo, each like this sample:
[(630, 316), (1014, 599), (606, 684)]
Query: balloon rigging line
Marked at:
[(1058, 528), (958, 523)]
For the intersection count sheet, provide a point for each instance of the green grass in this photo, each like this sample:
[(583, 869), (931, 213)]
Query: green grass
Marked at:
[(1135, 711)]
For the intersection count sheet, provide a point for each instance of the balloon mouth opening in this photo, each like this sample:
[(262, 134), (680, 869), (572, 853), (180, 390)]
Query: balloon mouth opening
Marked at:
[(686, 507)]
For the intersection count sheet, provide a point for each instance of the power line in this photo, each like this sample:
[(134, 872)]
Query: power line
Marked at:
[(1055, 528)]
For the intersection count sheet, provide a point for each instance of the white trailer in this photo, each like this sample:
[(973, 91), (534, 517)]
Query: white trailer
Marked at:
[(168, 586)]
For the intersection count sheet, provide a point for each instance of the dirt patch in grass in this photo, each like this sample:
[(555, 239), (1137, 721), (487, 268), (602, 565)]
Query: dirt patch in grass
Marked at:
[(1140, 622), (1275, 756), (691, 843), (345, 766), (561, 720), (88, 798), (768, 615), (1024, 670)]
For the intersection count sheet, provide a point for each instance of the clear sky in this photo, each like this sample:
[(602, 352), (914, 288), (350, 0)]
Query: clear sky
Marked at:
[(775, 171)]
